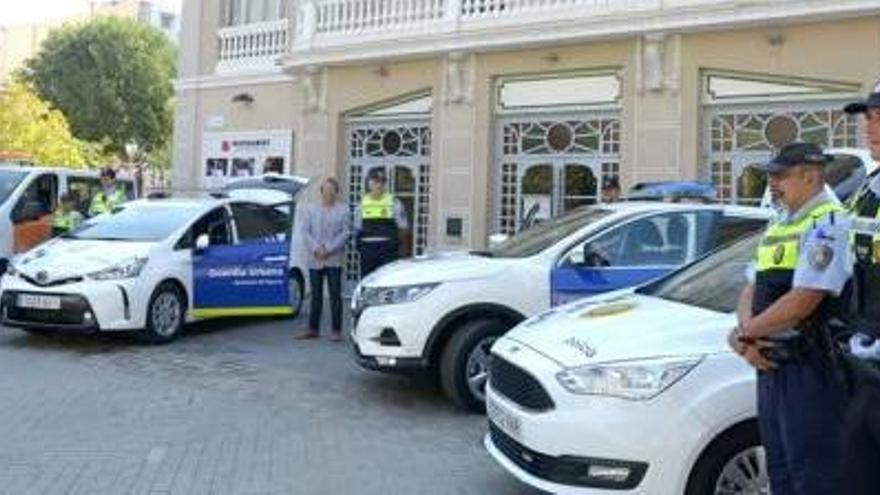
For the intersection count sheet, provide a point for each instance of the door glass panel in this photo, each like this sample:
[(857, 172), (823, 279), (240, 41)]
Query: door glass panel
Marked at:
[(579, 186), (404, 189), (537, 194), (750, 185)]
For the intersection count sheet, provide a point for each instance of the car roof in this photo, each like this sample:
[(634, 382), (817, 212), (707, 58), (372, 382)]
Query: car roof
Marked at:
[(635, 207), (81, 172)]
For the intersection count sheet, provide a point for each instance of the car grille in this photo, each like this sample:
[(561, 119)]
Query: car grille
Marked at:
[(72, 310), (566, 470), (518, 386), (51, 283)]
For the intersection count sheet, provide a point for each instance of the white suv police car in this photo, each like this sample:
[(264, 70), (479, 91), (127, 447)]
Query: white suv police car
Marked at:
[(442, 313)]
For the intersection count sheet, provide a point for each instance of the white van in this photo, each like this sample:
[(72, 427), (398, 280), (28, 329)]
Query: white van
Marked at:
[(28, 197)]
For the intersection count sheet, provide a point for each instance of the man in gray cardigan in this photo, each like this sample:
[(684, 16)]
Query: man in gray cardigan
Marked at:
[(325, 232)]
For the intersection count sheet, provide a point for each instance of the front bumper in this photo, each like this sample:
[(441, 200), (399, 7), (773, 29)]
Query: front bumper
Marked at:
[(403, 366), (392, 337), (86, 305), (654, 441), (75, 314)]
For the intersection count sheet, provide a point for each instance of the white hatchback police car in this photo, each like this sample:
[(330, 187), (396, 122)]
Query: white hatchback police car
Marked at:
[(632, 391), (443, 312), (154, 264)]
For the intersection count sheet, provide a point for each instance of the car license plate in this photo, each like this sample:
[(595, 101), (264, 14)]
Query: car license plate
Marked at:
[(502, 418), (35, 301)]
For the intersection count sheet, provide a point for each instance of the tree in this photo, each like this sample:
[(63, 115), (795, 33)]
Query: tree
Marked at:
[(112, 79), (29, 125)]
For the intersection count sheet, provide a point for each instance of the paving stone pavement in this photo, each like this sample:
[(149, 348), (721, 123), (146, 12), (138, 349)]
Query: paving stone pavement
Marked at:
[(234, 407)]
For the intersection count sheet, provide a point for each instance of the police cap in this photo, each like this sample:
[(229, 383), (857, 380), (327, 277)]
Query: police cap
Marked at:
[(862, 106), (378, 175), (794, 154)]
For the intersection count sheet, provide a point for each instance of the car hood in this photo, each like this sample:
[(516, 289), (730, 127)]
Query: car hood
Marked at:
[(440, 267), (623, 326), (64, 258)]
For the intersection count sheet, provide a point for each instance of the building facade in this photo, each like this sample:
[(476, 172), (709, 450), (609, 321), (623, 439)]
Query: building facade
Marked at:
[(481, 111)]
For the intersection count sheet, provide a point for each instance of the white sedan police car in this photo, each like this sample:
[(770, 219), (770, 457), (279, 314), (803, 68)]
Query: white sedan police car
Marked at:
[(443, 312), (157, 263), (633, 391)]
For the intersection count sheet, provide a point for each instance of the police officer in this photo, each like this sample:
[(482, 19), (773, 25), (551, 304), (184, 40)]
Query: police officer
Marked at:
[(380, 223), (801, 267), (110, 196), (861, 449), (66, 218)]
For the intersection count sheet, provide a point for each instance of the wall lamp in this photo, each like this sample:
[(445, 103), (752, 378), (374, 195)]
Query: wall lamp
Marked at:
[(245, 98)]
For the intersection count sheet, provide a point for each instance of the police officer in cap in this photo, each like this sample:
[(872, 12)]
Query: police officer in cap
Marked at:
[(110, 196), (380, 223), (800, 269), (861, 450)]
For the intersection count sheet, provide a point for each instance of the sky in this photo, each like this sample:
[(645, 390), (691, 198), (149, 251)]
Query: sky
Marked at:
[(36, 11)]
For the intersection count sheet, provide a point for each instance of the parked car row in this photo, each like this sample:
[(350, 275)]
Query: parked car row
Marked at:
[(594, 341)]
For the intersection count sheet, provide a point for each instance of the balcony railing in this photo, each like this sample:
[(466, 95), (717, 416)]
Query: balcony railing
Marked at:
[(338, 31), (252, 47)]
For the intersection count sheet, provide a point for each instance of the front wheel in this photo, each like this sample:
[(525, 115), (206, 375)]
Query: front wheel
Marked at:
[(165, 314), (295, 293), (464, 364), (733, 463)]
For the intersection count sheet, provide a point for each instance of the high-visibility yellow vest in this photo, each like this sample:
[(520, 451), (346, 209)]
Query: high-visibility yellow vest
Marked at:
[(65, 221), (102, 203), (780, 247), (778, 255), (377, 209)]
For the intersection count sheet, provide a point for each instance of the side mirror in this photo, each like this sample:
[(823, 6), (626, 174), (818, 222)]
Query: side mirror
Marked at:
[(496, 239), (202, 242)]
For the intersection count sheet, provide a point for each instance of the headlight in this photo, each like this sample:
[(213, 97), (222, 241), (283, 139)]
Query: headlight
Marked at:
[(634, 380), (378, 296), (11, 270), (129, 269)]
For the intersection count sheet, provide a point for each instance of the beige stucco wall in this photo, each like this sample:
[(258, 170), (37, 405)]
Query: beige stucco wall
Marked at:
[(847, 51), (661, 133)]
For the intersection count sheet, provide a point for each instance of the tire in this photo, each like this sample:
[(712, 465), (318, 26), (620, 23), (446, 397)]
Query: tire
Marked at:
[(297, 286), (464, 363), (166, 314), (738, 450)]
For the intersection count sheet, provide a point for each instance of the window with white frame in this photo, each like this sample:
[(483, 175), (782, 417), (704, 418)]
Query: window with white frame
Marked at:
[(237, 12)]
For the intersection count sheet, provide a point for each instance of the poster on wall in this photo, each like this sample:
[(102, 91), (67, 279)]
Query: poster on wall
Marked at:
[(228, 155)]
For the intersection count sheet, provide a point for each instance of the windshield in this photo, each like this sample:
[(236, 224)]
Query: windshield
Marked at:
[(136, 224), (712, 283), (9, 180), (540, 237)]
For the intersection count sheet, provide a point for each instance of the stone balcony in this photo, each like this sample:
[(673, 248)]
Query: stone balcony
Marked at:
[(333, 32), (253, 47)]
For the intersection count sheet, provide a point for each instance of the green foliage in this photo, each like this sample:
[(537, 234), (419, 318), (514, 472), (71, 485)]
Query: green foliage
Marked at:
[(112, 78), (29, 125)]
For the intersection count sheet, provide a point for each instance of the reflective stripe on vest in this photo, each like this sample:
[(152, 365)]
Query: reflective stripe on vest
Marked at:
[(377, 209), (780, 247)]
